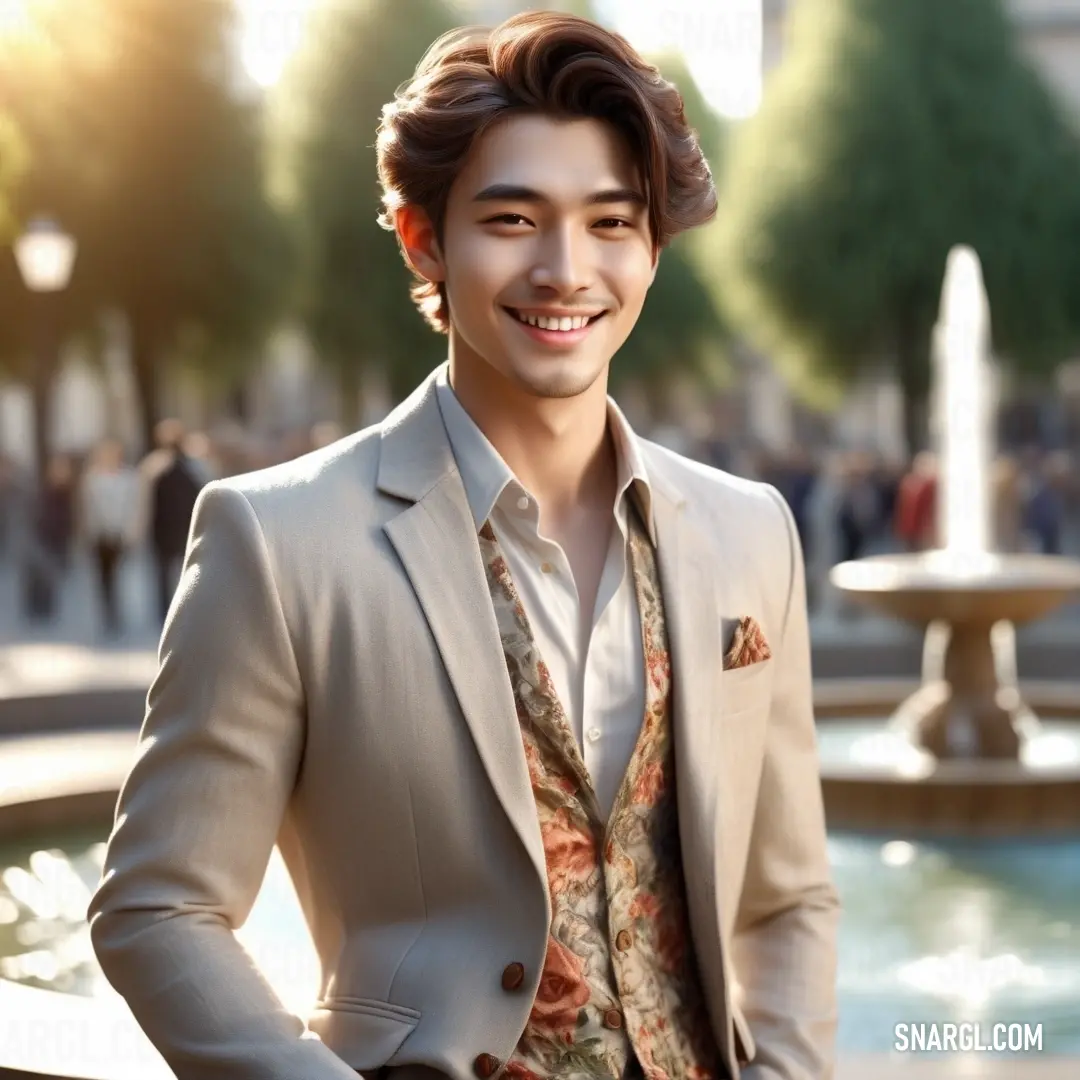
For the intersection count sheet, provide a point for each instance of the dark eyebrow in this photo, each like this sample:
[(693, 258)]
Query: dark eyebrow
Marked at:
[(518, 193)]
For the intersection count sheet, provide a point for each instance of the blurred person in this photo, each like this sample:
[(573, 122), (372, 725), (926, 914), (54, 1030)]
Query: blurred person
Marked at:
[(9, 501), (823, 525), (1006, 505), (915, 520), (51, 531), (769, 467), (718, 453), (887, 476), (56, 509), (1044, 505), (294, 444), (749, 461), (325, 433), (110, 522), (173, 482), (200, 452), (233, 448), (797, 478), (486, 632), (859, 510)]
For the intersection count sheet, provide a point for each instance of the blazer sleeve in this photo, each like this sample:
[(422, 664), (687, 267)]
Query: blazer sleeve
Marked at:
[(199, 813), (785, 936)]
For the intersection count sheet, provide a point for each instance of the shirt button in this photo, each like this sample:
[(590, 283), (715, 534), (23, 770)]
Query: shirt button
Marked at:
[(613, 1019), (593, 734), (523, 503), (547, 568), (623, 940)]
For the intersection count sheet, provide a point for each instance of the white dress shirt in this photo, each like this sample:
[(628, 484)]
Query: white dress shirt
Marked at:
[(597, 664)]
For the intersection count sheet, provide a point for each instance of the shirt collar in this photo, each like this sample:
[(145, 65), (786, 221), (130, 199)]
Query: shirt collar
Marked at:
[(486, 476)]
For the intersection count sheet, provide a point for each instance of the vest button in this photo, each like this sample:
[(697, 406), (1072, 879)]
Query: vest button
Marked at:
[(513, 976), (613, 1019), (623, 940), (485, 1065)]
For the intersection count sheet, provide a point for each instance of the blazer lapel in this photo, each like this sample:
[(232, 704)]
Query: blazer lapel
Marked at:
[(435, 538), (687, 563)]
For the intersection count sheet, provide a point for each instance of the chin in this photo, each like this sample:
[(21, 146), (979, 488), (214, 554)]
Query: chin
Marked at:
[(554, 377)]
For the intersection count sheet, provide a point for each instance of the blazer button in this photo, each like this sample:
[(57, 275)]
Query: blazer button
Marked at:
[(623, 940), (485, 1065), (513, 976)]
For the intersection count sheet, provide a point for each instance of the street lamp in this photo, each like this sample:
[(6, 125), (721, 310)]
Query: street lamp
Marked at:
[(45, 255)]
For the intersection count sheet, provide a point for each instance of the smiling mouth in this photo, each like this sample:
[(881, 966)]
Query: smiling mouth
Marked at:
[(564, 323)]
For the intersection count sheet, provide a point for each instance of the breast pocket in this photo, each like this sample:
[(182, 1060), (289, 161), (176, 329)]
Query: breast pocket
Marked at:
[(745, 689)]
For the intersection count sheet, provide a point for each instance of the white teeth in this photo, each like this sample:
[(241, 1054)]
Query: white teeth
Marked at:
[(547, 322)]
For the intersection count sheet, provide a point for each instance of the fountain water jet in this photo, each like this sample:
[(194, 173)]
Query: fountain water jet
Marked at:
[(967, 596)]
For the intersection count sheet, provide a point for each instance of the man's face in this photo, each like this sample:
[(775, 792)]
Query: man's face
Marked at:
[(547, 220)]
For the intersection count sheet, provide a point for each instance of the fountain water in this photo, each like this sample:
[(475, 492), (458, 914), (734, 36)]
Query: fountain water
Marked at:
[(964, 407), (967, 596)]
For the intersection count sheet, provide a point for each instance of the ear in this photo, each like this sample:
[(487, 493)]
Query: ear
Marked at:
[(416, 235)]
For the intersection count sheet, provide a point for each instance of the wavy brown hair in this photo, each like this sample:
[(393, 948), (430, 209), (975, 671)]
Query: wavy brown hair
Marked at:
[(539, 62)]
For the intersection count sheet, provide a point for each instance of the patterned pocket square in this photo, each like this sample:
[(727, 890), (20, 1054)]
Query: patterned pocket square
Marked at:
[(748, 645)]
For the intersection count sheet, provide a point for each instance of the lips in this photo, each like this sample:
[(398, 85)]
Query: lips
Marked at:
[(557, 340)]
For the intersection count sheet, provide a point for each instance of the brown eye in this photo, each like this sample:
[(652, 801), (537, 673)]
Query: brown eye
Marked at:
[(507, 219)]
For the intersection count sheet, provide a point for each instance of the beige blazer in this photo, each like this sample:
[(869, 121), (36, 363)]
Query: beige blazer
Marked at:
[(331, 679)]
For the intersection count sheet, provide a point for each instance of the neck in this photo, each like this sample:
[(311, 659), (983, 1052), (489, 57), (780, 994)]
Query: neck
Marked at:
[(560, 449)]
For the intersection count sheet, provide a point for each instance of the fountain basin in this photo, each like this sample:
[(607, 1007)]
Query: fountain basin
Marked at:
[(929, 586), (874, 779), (969, 705)]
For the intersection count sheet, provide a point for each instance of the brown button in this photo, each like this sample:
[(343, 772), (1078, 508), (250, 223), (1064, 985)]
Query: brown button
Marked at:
[(623, 940), (485, 1065), (613, 1019), (513, 976)]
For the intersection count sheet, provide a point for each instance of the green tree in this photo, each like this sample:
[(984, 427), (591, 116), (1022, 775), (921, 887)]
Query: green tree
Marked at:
[(148, 140), (353, 295), (681, 328), (890, 133), (184, 238), (12, 167)]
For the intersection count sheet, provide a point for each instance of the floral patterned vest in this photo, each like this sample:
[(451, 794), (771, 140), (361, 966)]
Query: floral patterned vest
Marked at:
[(620, 994)]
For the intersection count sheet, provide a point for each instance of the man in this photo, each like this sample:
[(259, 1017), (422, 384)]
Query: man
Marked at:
[(454, 664), (174, 482)]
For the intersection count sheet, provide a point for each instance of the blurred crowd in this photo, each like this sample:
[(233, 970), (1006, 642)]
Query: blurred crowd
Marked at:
[(105, 506), (848, 504)]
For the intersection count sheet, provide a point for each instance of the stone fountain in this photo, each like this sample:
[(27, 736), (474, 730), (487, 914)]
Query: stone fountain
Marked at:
[(967, 727)]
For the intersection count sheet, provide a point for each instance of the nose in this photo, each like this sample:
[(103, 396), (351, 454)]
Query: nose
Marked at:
[(563, 264)]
